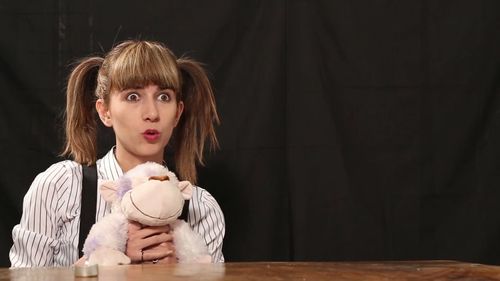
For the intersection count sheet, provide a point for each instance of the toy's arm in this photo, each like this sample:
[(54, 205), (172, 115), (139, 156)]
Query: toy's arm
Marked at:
[(106, 242), (189, 245)]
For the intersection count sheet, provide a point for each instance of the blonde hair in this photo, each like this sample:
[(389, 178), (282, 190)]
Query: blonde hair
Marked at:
[(135, 64)]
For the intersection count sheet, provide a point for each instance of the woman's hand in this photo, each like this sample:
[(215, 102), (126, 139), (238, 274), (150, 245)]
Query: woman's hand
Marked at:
[(150, 243)]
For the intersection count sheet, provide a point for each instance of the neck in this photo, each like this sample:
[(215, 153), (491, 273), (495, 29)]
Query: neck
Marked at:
[(128, 160)]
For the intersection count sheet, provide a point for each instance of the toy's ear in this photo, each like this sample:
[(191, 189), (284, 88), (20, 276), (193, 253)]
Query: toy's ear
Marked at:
[(108, 190), (186, 189)]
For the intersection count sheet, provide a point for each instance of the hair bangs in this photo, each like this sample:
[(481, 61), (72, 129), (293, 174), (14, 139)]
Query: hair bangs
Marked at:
[(143, 64)]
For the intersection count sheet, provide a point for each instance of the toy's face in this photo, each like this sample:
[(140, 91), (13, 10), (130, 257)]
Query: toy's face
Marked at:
[(148, 194), (154, 202)]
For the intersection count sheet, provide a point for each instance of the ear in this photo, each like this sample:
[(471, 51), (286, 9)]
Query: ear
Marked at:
[(108, 190), (186, 189), (180, 109), (103, 111)]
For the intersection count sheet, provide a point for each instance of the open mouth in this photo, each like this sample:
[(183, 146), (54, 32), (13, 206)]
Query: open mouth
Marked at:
[(151, 135)]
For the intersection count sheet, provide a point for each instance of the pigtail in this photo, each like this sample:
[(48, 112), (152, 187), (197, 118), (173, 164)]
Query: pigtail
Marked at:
[(197, 123), (81, 126)]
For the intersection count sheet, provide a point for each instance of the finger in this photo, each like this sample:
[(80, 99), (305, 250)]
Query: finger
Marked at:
[(166, 248), (148, 231), (150, 242), (133, 226), (157, 253), (136, 254), (160, 228), (156, 240)]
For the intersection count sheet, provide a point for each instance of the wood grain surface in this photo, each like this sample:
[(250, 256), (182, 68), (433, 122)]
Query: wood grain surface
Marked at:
[(303, 271)]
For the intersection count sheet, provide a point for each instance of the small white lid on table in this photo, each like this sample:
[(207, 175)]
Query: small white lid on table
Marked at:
[(86, 270)]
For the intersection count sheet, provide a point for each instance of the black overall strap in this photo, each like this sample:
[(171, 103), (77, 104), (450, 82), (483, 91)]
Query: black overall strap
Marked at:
[(88, 203), (185, 211)]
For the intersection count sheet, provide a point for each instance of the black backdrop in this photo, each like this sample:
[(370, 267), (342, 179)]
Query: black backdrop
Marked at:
[(351, 130)]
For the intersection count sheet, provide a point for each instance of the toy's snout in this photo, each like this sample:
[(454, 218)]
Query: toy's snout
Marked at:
[(159, 178), (155, 202)]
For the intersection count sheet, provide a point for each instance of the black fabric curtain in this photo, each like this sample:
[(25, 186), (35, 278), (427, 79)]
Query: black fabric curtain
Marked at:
[(351, 130)]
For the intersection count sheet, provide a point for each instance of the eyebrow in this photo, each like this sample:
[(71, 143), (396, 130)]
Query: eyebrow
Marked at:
[(124, 91)]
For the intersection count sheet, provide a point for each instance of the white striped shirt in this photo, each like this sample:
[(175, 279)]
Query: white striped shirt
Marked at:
[(48, 232)]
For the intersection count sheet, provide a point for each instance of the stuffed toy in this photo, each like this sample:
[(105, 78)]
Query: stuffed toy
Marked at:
[(151, 195)]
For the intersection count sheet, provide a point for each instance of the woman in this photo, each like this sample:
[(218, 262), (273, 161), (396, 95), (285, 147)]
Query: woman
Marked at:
[(150, 99)]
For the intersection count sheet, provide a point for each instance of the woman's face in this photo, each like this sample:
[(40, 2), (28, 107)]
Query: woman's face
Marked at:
[(143, 120)]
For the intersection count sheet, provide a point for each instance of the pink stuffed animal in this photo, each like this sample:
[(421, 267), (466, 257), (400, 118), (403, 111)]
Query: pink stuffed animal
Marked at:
[(151, 195)]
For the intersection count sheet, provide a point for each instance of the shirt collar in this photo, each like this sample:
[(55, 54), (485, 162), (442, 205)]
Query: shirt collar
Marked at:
[(108, 166)]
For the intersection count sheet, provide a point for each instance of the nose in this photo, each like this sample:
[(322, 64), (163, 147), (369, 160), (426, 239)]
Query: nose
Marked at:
[(150, 111)]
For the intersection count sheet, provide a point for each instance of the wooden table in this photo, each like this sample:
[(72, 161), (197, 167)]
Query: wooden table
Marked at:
[(303, 271)]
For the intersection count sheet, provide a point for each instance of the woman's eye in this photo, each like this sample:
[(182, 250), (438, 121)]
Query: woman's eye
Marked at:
[(133, 97), (164, 97)]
